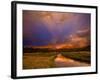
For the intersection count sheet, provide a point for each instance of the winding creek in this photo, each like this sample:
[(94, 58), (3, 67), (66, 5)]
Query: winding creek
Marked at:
[(62, 61)]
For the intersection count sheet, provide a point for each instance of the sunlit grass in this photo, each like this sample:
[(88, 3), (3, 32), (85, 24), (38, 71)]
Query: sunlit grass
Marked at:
[(46, 59), (38, 60)]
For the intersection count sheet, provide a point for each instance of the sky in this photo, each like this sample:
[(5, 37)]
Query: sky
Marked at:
[(59, 29)]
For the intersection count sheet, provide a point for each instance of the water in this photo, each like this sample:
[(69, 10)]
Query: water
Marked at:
[(62, 61)]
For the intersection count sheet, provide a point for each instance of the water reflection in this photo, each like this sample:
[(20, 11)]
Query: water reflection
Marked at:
[(61, 61)]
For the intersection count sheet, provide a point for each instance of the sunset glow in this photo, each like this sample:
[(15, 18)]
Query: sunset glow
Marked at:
[(56, 29)]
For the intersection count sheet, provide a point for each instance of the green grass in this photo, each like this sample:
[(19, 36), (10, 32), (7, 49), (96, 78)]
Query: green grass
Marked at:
[(83, 56)]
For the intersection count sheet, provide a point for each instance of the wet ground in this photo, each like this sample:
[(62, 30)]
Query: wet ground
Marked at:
[(62, 61)]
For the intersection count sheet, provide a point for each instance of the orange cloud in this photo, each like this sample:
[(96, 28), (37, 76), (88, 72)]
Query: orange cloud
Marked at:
[(56, 20), (78, 41)]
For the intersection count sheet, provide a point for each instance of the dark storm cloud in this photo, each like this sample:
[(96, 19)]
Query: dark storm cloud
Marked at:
[(48, 28)]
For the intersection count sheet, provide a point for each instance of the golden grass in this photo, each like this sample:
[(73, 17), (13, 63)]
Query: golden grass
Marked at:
[(33, 61), (40, 60)]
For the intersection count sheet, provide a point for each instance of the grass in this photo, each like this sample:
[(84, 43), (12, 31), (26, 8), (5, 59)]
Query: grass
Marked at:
[(38, 60), (83, 56), (46, 59)]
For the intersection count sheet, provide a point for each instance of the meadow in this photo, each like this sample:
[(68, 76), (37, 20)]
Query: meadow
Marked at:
[(82, 56), (38, 60)]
